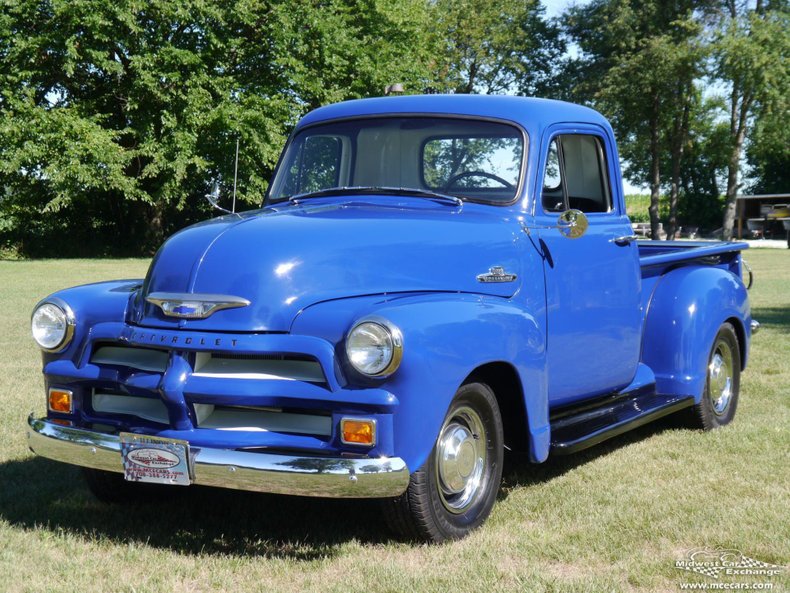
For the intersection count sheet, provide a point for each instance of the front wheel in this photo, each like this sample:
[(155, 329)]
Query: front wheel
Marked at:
[(454, 491), (720, 398)]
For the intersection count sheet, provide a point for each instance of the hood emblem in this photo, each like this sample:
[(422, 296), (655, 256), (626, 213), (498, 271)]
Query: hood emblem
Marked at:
[(194, 306), (496, 274)]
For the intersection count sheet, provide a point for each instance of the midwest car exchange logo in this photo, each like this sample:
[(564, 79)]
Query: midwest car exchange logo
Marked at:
[(731, 563)]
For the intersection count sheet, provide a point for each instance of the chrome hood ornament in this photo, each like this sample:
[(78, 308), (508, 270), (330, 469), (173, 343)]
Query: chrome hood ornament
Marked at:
[(194, 306), (496, 274)]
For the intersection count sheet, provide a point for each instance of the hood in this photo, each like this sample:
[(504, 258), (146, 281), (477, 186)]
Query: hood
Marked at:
[(284, 259)]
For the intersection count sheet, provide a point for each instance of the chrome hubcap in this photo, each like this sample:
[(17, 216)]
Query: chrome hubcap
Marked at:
[(720, 378), (461, 459)]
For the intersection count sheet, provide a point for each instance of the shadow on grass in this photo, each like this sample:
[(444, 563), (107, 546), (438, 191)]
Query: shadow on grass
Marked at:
[(776, 318), (38, 493), (519, 472)]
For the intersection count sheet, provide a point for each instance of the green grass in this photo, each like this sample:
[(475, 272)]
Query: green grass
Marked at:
[(614, 518)]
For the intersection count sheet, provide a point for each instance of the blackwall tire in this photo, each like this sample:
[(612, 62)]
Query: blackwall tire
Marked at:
[(455, 490), (723, 381)]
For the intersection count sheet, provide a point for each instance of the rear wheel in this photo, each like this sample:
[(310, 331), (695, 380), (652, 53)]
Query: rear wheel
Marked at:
[(720, 398), (454, 491)]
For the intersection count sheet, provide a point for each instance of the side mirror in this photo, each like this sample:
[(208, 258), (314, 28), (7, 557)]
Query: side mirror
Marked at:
[(572, 224), (213, 198)]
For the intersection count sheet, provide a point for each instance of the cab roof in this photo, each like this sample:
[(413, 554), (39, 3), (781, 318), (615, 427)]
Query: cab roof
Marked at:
[(531, 113)]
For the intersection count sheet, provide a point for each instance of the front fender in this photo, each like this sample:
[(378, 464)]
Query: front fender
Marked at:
[(92, 304), (684, 315), (445, 338)]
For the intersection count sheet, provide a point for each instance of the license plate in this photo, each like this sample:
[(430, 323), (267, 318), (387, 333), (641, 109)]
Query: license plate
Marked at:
[(155, 460)]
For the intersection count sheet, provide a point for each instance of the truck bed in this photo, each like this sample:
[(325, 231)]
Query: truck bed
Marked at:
[(661, 254), (656, 258)]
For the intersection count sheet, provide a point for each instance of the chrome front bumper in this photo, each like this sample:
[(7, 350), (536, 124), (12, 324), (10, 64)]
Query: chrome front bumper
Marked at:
[(335, 477)]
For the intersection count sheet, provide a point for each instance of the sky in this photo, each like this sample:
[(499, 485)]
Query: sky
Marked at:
[(555, 7)]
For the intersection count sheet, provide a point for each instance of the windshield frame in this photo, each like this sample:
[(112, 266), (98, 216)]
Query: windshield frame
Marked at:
[(522, 181)]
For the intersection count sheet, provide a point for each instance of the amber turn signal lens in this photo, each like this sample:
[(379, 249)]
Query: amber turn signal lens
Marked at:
[(60, 400), (356, 431)]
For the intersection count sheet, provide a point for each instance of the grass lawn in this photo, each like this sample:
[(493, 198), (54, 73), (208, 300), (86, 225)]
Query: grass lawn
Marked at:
[(614, 518)]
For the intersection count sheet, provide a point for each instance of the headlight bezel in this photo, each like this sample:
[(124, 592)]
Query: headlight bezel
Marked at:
[(395, 338), (69, 317)]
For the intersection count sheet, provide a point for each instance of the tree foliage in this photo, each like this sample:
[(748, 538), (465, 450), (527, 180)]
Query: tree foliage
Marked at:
[(751, 53), (494, 47), (117, 116)]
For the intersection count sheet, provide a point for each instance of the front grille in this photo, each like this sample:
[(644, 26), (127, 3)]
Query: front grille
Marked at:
[(143, 359), (147, 408), (261, 367), (231, 418), (131, 381), (267, 420)]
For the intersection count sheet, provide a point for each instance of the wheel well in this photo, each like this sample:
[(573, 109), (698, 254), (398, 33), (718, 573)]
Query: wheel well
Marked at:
[(739, 331), (503, 379)]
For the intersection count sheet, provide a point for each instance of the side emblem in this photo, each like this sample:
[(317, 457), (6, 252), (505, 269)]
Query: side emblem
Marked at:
[(194, 306), (496, 274)]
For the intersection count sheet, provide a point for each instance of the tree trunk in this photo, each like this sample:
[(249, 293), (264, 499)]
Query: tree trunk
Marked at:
[(739, 111), (678, 149), (655, 171)]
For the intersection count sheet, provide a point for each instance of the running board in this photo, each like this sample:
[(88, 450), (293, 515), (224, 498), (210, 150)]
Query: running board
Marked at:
[(575, 429)]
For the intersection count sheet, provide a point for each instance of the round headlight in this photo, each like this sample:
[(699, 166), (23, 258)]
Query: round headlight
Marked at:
[(52, 326), (374, 347)]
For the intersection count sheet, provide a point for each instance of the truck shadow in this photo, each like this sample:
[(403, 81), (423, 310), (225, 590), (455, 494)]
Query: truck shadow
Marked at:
[(520, 472), (775, 318), (41, 494)]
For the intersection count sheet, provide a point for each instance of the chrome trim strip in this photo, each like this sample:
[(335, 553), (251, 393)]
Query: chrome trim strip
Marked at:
[(332, 477), (215, 302)]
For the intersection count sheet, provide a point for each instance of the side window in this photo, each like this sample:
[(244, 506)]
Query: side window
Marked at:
[(316, 167), (582, 182), (553, 193)]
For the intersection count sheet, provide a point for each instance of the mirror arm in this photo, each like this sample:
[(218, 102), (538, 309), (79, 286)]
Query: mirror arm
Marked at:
[(572, 224), (211, 198)]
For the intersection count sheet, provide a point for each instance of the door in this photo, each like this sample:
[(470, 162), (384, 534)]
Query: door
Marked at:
[(593, 283)]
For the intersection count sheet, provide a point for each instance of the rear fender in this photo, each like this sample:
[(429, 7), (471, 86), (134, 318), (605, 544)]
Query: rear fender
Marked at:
[(445, 338), (683, 317)]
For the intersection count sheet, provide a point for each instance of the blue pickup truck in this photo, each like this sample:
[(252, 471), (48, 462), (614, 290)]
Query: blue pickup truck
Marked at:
[(430, 280)]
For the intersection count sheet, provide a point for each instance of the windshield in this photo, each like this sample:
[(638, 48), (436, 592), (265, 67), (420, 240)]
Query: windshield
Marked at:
[(470, 159)]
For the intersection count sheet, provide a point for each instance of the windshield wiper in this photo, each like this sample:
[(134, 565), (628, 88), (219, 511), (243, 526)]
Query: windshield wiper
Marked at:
[(378, 190)]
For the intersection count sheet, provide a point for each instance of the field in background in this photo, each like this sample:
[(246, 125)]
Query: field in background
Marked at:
[(636, 206), (614, 518)]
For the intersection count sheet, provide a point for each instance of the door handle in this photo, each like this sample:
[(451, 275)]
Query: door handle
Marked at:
[(625, 239)]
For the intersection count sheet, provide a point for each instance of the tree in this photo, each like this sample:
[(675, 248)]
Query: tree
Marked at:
[(638, 64), (704, 162), (768, 153), (116, 116), (751, 50), (493, 47)]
